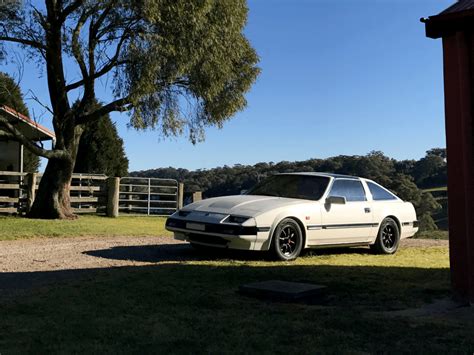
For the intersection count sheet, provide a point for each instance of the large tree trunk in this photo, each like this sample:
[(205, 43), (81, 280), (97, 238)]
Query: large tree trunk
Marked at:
[(52, 200)]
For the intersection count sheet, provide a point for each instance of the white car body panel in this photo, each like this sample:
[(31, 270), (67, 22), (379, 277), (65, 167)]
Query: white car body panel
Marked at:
[(354, 223)]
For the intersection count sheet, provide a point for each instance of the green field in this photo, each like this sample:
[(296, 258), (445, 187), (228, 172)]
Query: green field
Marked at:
[(17, 228), (12, 228), (436, 189)]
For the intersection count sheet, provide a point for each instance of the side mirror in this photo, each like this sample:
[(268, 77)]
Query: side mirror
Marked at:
[(336, 200)]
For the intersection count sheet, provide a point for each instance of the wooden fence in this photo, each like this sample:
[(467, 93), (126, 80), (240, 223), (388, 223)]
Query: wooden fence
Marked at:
[(89, 193), (96, 194), (11, 193)]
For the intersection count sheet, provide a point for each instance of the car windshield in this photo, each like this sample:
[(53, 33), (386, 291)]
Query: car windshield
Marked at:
[(292, 186)]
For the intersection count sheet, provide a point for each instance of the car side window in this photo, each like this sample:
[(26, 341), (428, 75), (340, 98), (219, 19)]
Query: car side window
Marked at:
[(379, 193), (352, 190)]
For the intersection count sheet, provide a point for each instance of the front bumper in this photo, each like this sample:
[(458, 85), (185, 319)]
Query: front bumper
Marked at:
[(221, 235)]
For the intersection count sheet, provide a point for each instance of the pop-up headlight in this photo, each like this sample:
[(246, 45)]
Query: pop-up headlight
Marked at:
[(237, 219)]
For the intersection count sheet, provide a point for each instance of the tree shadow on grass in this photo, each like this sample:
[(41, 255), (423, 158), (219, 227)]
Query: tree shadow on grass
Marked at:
[(146, 253), (181, 307), (185, 252), (173, 252), (337, 251)]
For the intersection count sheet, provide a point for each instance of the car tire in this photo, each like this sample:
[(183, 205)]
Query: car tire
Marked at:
[(287, 240), (388, 237)]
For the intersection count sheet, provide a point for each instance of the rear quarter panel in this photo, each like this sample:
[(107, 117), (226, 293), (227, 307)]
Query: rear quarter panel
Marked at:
[(402, 212)]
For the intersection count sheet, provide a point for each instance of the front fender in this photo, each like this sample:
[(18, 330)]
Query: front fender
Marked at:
[(266, 242)]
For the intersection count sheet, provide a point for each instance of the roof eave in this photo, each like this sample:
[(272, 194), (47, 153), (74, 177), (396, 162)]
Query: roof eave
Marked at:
[(47, 134), (446, 24)]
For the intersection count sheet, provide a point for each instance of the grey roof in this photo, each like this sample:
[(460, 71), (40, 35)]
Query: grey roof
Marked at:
[(322, 174)]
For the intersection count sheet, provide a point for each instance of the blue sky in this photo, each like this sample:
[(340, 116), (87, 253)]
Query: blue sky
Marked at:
[(338, 77)]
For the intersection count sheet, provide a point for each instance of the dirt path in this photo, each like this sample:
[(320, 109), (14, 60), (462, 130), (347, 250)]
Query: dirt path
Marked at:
[(424, 243), (25, 264), (50, 254)]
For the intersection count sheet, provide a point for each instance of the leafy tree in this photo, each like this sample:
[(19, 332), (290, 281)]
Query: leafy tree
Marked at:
[(31, 162), (176, 66), (424, 203), (431, 171), (440, 152), (11, 96), (426, 208), (426, 223), (405, 166), (101, 150)]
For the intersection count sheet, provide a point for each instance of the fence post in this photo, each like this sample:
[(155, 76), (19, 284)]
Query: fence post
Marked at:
[(113, 195), (130, 190), (180, 195), (149, 196), (197, 196), (30, 190)]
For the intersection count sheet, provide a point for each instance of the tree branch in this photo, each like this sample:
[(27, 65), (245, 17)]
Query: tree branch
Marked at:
[(76, 46), (25, 42), (15, 134), (104, 70), (70, 9), (96, 26), (112, 63), (6, 135), (42, 20), (120, 105)]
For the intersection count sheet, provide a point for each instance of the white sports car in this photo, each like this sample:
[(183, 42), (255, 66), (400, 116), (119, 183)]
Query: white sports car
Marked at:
[(286, 213)]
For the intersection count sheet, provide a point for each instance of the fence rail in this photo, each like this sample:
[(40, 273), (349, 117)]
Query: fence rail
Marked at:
[(91, 193), (11, 191), (88, 192), (149, 196)]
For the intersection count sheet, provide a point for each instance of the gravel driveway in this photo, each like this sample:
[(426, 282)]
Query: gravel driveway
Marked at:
[(50, 254), (25, 264)]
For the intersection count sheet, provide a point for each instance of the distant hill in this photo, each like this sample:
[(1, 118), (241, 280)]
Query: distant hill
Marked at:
[(427, 173), (404, 177)]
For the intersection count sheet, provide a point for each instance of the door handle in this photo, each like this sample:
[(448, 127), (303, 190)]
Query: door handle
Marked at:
[(367, 210)]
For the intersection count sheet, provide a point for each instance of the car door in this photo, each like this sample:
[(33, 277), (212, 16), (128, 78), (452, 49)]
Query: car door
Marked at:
[(347, 219)]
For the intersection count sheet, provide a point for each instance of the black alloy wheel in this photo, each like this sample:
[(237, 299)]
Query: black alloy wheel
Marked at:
[(287, 240), (388, 237)]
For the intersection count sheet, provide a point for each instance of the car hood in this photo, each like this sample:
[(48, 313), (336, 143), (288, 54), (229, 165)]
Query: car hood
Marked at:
[(244, 205)]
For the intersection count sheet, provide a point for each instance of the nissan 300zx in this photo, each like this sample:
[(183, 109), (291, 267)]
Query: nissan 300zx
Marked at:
[(287, 213)]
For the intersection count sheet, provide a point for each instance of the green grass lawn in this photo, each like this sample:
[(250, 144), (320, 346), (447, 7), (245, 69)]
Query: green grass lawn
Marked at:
[(12, 228), (18, 227), (435, 189), (192, 306)]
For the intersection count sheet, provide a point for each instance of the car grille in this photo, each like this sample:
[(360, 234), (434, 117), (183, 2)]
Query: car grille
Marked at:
[(230, 229), (208, 239)]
